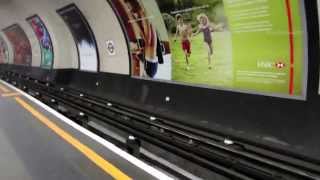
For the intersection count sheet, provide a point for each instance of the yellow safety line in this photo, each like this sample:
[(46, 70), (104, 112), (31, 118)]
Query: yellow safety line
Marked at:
[(89, 153), (11, 94), (4, 89)]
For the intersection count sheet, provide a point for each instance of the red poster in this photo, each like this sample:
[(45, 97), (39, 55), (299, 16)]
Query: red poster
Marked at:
[(21, 45)]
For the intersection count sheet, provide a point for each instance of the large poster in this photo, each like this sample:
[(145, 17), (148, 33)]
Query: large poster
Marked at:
[(249, 46), (4, 53), (44, 41), (148, 38), (21, 45), (83, 36)]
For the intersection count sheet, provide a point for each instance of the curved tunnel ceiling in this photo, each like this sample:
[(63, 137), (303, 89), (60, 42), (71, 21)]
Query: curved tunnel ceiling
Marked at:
[(99, 16)]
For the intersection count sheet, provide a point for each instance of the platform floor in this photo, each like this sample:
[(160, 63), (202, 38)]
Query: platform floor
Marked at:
[(36, 145)]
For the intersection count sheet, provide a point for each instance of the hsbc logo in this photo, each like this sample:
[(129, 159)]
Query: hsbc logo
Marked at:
[(280, 65), (265, 64), (270, 64)]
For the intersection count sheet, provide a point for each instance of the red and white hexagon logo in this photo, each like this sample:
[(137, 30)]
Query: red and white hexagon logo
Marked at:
[(280, 65)]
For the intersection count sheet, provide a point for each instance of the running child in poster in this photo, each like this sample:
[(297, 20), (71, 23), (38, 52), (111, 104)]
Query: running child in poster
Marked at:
[(185, 32)]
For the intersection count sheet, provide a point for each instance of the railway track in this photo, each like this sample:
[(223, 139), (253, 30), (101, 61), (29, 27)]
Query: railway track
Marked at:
[(230, 157)]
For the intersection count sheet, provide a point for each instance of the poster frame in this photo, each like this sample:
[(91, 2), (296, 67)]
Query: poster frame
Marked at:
[(91, 33), (44, 25)]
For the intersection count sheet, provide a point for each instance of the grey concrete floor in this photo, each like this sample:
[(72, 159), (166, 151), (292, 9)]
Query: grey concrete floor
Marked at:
[(31, 151)]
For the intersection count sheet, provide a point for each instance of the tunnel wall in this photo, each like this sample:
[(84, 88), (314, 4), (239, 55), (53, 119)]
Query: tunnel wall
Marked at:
[(59, 33), (64, 47)]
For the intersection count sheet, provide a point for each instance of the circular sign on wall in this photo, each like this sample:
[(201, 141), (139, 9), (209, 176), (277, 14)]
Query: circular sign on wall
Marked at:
[(111, 48)]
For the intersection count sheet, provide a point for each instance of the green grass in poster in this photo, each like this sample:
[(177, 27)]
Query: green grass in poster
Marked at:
[(221, 73)]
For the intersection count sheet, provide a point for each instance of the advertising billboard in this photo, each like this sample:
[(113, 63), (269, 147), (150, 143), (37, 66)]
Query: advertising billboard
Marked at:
[(44, 39), (255, 46), (148, 38), (22, 52), (4, 53), (83, 36), (245, 46)]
